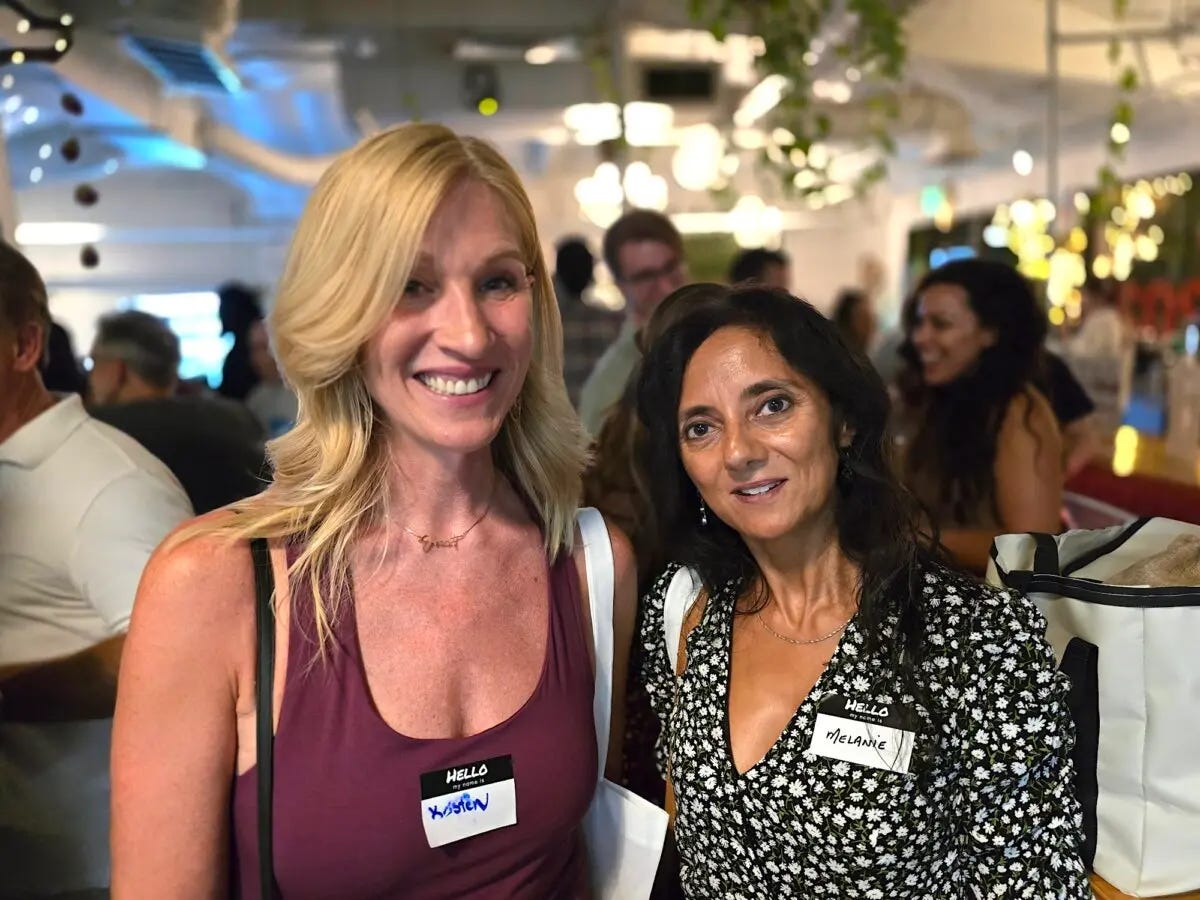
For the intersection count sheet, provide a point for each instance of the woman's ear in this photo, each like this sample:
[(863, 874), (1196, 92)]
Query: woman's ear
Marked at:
[(846, 435)]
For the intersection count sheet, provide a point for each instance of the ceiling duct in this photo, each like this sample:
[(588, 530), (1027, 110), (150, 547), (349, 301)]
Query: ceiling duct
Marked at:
[(182, 42)]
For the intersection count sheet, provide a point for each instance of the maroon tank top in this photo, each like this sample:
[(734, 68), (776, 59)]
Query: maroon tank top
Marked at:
[(347, 801)]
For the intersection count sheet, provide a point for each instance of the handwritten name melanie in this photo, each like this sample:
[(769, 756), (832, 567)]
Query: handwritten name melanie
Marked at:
[(855, 740)]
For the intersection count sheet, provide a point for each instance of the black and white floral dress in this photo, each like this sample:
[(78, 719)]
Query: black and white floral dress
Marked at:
[(987, 806)]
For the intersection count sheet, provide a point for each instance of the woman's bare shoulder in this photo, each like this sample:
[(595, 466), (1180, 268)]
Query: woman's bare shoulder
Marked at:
[(200, 575), (1030, 410)]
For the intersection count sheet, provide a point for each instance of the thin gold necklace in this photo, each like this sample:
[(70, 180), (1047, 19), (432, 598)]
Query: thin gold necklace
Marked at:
[(428, 543), (784, 637)]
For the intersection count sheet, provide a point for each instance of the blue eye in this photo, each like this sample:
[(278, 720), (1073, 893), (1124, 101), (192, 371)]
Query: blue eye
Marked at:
[(499, 286)]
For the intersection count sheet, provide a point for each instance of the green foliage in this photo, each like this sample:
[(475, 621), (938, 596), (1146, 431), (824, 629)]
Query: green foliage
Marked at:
[(1128, 81), (874, 46)]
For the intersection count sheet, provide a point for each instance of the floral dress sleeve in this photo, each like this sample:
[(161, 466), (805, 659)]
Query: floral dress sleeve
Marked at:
[(657, 671), (1021, 822)]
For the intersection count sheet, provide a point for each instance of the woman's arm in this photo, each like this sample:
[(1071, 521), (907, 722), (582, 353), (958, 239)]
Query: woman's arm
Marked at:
[(1019, 821), (174, 734), (1028, 477), (624, 618)]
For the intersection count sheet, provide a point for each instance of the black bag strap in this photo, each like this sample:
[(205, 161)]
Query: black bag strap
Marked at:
[(264, 703), (1045, 554)]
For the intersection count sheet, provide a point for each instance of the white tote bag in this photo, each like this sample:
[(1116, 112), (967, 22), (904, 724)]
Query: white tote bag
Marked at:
[(1133, 654), (625, 832)]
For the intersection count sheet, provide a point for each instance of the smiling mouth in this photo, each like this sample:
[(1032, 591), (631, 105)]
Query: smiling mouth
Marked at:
[(455, 387), (758, 490)]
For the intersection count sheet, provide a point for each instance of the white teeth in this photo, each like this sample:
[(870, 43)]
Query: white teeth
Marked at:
[(762, 489), (455, 386)]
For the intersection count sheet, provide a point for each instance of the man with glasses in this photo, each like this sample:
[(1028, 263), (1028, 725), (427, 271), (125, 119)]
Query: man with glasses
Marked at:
[(644, 252)]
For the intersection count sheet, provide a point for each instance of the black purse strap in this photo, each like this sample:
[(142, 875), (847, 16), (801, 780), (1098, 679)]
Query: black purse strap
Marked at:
[(264, 704)]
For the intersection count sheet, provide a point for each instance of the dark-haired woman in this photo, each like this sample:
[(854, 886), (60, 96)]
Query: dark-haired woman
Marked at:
[(842, 716), (982, 448)]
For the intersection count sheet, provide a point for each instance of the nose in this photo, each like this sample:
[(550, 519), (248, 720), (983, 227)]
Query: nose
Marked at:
[(743, 453), (463, 329), (920, 334)]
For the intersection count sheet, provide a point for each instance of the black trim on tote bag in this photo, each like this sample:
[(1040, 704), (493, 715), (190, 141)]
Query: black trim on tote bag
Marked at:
[(1081, 664), (264, 703), (1049, 576)]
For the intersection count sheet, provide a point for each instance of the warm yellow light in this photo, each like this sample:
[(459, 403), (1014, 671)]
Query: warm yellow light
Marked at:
[(1156, 234), (1145, 248), (18, 57), (1160, 187), (1119, 215), (944, 217), (1023, 213), (1119, 133), (1083, 203), (1102, 266), (1125, 449), (1074, 312), (1057, 316), (1077, 240), (1142, 204), (1185, 182), (1001, 216), (489, 106)]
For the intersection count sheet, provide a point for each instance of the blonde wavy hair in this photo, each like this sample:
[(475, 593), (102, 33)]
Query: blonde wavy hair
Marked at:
[(352, 253)]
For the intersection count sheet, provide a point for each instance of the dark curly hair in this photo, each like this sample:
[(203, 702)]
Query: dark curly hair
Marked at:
[(878, 521), (952, 452)]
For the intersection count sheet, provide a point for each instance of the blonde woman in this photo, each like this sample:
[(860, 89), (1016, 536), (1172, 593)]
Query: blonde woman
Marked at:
[(430, 619)]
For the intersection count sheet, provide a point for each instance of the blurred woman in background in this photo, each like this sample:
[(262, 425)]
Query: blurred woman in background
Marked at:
[(981, 447), (855, 319)]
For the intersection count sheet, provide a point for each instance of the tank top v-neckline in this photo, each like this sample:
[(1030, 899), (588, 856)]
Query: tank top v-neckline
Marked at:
[(342, 769), (353, 643)]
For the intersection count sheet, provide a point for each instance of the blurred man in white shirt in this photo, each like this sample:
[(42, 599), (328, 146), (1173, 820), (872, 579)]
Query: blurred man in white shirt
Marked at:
[(81, 508)]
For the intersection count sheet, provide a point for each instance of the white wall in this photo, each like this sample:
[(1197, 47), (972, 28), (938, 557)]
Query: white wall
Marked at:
[(168, 230)]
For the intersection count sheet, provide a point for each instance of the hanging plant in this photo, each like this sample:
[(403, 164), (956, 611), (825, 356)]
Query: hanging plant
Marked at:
[(855, 46), (1120, 122)]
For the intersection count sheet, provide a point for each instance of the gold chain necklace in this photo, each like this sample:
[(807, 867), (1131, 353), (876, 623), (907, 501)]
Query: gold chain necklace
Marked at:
[(428, 543), (784, 637)]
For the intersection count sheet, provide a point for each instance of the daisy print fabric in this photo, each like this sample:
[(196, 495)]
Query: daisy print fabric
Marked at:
[(985, 809)]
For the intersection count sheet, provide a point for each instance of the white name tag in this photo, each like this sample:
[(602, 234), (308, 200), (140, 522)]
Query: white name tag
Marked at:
[(467, 800), (863, 733)]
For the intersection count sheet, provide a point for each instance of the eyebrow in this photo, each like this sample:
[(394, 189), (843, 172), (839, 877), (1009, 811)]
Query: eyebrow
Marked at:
[(749, 393), (766, 386), (425, 260)]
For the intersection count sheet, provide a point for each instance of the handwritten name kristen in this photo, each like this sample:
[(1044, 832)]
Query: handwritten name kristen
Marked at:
[(464, 804)]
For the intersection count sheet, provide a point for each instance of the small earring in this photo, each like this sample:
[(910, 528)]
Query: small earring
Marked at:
[(845, 471), (703, 513)]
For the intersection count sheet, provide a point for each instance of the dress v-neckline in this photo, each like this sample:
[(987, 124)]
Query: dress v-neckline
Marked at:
[(803, 709)]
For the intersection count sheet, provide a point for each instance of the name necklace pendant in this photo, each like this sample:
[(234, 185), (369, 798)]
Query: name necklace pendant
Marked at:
[(428, 542)]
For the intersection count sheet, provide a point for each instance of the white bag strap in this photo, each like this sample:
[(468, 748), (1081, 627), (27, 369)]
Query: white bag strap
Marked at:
[(681, 594), (598, 558)]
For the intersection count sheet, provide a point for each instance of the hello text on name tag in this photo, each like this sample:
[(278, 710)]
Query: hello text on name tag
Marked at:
[(865, 733), (467, 800)]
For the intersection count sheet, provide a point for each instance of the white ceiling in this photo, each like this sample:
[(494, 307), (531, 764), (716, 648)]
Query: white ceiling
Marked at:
[(315, 74)]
